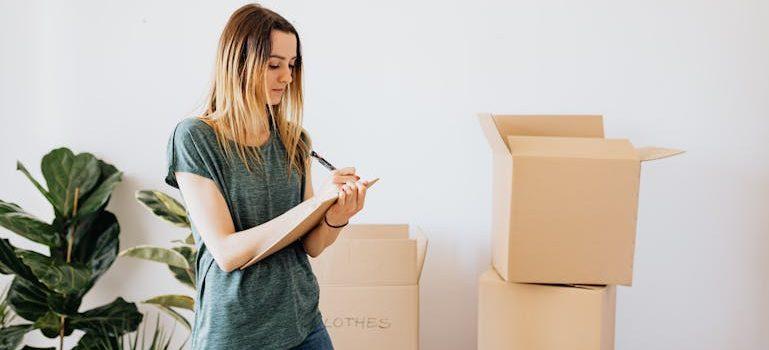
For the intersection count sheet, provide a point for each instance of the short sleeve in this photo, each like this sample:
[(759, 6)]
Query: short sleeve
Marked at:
[(186, 152)]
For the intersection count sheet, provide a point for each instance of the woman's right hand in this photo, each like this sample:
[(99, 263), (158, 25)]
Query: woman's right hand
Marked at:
[(352, 197), (345, 184), (339, 178), (342, 176)]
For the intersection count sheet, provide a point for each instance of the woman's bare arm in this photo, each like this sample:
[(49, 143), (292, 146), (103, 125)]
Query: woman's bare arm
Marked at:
[(209, 212)]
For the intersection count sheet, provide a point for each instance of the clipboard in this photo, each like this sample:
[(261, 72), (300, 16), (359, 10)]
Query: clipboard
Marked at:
[(307, 220)]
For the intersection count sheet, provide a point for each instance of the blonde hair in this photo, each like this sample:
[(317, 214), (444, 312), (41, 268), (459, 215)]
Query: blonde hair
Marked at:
[(238, 100)]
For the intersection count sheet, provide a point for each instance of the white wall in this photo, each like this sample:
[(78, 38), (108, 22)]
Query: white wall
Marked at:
[(393, 87)]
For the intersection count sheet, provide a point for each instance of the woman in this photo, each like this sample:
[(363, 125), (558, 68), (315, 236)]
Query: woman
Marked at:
[(254, 109)]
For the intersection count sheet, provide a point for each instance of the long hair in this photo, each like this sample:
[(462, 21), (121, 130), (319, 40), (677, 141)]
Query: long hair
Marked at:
[(238, 100)]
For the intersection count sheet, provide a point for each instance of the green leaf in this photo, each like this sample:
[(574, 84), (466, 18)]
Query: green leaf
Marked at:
[(185, 276), (173, 300), (96, 243), (56, 275), (17, 220), (6, 313), (114, 319), (188, 253), (64, 172), (23, 169), (164, 206), (27, 299), (64, 304), (91, 341), (108, 179), (175, 315), (50, 325), (11, 264), (159, 254), (190, 240), (11, 336), (5, 270)]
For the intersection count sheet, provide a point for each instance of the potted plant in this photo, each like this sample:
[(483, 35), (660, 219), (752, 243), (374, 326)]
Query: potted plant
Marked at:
[(82, 242)]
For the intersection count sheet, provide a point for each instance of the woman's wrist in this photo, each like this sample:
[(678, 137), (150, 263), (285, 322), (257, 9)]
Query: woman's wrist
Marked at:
[(334, 222)]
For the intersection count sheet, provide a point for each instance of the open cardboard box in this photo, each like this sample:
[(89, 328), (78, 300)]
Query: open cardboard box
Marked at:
[(565, 199), (369, 287), (513, 316)]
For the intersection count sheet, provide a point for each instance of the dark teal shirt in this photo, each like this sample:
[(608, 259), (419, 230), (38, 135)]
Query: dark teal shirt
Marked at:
[(272, 304)]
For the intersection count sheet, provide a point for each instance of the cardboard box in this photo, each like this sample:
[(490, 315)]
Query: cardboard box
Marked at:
[(369, 287), (565, 199), (521, 316)]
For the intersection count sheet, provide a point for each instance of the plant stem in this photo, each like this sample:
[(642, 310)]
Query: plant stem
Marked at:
[(70, 241), (70, 236)]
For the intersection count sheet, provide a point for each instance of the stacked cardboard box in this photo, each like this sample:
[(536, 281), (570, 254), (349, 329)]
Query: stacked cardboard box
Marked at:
[(564, 208), (369, 287)]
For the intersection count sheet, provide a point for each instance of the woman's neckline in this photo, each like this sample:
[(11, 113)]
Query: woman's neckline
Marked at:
[(264, 144)]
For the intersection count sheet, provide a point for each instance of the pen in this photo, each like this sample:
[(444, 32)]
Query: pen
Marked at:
[(332, 168), (323, 161)]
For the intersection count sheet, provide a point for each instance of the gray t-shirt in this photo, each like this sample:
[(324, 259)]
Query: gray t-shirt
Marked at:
[(272, 304)]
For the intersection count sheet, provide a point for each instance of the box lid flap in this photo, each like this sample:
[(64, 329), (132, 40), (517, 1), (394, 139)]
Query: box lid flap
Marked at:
[(419, 235), (379, 231), (372, 255), (497, 127), (493, 136), (652, 153), (491, 276), (550, 125), (571, 147)]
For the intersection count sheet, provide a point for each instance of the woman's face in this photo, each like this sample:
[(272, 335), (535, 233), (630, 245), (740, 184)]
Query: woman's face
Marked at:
[(280, 67)]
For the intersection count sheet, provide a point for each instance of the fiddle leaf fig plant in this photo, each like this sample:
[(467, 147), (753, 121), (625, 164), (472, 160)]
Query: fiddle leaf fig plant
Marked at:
[(82, 242), (180, 258)]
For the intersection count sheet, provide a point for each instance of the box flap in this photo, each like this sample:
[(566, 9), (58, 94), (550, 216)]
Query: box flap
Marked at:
[(653, 153), (497, 127), (381, 231), (590, 286), (373, 255), (550, 125), (571, 147), (493, 136), (421, 239), (491, 276)]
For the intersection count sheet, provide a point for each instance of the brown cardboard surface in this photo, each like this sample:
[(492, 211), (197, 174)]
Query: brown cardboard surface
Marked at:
[(573, 210), (564, 199), (371, 255), (571, 147), (379, 231), (514, 316), (548, 125), (371, 317), (368, 262), (653, 153), (296, 224), (369, 286)]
